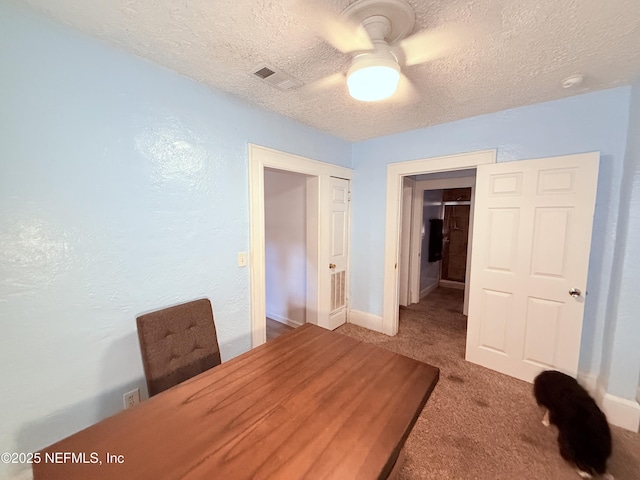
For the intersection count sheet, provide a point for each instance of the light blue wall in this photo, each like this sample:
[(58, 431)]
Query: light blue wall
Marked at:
[(123, 188), (621, 365), (596, 121)]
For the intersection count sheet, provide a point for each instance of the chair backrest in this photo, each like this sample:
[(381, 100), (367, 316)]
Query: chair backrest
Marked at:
[(177, 343)]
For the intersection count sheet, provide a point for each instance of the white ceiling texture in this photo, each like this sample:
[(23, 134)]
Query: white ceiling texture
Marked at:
[(462, 57)]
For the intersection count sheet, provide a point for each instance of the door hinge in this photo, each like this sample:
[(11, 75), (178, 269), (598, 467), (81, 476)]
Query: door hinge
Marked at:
[(349, 196)]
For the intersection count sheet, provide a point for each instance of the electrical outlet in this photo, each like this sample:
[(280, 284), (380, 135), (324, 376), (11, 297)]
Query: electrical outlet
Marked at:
[(131, 398)]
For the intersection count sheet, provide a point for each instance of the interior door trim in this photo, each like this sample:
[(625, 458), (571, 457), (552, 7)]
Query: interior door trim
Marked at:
[(260, 158), (395, 172)]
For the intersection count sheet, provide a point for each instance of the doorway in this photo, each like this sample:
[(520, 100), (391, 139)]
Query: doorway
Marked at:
[(318, 184), (442, 208), (395, 174), (529, 256), (456, 236), (427, 242), (285, 227)]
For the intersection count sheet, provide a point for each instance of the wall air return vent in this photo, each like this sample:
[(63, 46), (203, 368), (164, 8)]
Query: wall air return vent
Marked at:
[(276, 78)]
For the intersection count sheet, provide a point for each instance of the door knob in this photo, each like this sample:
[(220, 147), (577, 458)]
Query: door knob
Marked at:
[(575, 292), (332, 266)]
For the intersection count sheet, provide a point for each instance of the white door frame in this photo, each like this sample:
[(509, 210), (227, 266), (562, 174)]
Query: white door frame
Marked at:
[(260, 158), (407, 245), (395, 172), (416, 243)]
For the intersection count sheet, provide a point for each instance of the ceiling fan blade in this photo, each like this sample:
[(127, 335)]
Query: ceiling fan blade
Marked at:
[(406, 93), (341, 33), (345, 36), (329, 82), (431, 44)]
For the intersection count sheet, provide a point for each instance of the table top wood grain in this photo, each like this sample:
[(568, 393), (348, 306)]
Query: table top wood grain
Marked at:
[(311, 404)]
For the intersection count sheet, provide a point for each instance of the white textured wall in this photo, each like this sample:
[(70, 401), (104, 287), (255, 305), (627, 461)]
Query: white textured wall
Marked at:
[(285, 245), (123, 188)]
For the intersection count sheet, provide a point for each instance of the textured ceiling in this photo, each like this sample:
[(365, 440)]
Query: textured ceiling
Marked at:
[(480, 56)]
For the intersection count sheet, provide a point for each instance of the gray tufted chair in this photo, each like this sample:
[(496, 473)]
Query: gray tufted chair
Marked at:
[(177, 343)]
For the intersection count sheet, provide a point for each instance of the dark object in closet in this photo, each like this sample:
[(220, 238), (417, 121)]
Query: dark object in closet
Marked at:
[(435, 239)]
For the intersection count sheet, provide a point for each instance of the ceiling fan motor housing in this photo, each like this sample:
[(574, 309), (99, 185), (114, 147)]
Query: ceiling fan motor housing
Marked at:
[(398, 14), (380, 56), (374, 74)]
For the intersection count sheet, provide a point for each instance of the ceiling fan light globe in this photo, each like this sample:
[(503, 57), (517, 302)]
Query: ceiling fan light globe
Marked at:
[(370, 83)]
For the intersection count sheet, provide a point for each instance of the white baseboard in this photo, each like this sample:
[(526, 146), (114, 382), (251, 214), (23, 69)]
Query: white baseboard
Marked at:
[(452, 284), (428, 290), (620, 412), (589, 382), (286, 321), (366, 320)]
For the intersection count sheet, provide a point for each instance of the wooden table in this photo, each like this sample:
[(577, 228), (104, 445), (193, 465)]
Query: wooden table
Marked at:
[(310, 404)]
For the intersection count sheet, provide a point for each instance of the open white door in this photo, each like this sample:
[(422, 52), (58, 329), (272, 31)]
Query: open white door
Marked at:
[(338, 250), (531, 243)]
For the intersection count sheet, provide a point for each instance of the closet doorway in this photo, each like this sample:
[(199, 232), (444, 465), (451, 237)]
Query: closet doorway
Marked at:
[(285, 229), (326, 204)]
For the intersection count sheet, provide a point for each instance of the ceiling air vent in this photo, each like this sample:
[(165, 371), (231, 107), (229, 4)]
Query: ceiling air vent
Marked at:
[(275, 78), (264, 72)]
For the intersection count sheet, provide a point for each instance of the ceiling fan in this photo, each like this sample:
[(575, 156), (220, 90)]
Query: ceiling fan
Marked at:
[(377, 34)]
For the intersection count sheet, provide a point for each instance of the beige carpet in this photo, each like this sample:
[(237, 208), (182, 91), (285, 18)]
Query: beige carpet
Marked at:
[(478, 424)]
